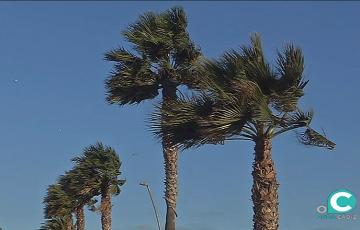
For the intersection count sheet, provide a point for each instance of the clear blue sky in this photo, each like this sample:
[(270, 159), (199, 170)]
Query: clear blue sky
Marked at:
[(52, 105)]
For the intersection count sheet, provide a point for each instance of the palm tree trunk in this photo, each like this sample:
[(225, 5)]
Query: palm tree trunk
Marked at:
[(80, 218), (106, 208), (69, 223), (171, 184), (265, 188), (170, 153)]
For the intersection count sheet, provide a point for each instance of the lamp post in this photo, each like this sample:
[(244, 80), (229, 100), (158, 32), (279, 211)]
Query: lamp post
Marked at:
[(145, 184)]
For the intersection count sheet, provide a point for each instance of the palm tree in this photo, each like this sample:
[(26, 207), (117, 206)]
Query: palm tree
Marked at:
[(59, 207), (99, 168), (246, 99), (73, 184), (163, 59)]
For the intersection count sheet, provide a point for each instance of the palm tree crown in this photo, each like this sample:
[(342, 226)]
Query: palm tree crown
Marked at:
[(99, 165), (244, 98), (57, 202), (163, 56)]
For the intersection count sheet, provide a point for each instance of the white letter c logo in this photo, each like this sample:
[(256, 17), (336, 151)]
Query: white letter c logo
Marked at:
[(334, 204)]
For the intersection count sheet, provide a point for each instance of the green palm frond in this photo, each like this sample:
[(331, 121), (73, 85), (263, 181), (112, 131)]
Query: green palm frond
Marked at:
[(217, 75), (256, 68), (290, 66), (177, 19), (180, 120), (298, 118), (239, 69), (57, 202), (228, 120), (191, 122), (132, 81), (163, 36), (313, 138), (54, 224), (150, 36), (80, 184), (293, 120), (185, 51), (249, 94), (290, 84)]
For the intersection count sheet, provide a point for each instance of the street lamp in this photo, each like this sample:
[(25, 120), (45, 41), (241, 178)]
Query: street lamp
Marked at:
[(145, 184)]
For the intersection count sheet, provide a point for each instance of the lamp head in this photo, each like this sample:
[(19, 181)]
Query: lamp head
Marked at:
[(144, 183)]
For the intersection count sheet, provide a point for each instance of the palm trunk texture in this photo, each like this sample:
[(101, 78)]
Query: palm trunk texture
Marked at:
[(69, 223), (171, 185), (170, 153), (80, 219), (106, 208), (265, 188)]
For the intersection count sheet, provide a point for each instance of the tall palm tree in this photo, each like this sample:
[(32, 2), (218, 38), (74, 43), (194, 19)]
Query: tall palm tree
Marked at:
[(99, 169), (58, 208), (246, 99), (163, 59)]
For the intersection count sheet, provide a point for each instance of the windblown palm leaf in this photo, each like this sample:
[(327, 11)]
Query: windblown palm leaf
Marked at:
[(54, 224), (311, 137), (77, 183)]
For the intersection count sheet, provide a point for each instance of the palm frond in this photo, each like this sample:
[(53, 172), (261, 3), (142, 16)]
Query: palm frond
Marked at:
[(191, 122), (178, 119), (132, 80), (217, 76), (298, 118), (290, 84), (293, 120), (54, 224), (177, 19), (256, 68), (313, 138), (57, 202), (185, 52), (290, 66), (150, 36)]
